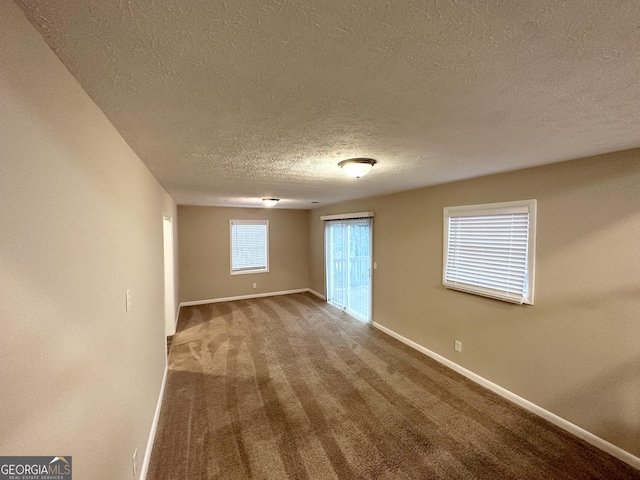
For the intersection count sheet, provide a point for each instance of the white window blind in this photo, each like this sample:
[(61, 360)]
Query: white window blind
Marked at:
[(249, 246), (489, 250)]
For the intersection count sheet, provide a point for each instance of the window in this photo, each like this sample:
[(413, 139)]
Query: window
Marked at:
[(249, 246), (489, 250)]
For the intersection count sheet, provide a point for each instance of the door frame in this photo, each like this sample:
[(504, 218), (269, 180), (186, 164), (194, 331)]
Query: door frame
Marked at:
[(348, 216), (169, 276)]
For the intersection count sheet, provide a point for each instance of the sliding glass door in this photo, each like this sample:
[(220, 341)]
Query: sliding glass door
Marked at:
[(348, 266)]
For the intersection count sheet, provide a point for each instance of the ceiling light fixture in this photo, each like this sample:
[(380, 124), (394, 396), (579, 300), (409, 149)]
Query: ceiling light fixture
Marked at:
[(270, 202), (357, 167)]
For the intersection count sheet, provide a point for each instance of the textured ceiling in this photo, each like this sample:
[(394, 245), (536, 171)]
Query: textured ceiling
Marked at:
[(230, 101)]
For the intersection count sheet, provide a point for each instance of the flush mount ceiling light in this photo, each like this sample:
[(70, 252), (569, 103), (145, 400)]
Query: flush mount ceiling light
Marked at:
[(357, 167), (270, 202)]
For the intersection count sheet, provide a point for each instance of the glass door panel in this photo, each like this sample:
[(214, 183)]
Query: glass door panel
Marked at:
[(348, 266)]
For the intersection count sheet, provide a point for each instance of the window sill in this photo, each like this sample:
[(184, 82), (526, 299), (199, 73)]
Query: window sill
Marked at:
[(246, 272)]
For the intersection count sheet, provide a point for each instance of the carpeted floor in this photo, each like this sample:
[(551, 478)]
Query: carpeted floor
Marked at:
[(291, 388)]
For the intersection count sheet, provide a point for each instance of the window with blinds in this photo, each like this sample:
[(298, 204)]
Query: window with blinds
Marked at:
[(249, 246), (489, 250)]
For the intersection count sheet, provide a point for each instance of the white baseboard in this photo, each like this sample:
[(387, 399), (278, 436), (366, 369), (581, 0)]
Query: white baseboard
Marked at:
[(526, 404), (175, 323), (154, 427), (246, 297), (319, 295)]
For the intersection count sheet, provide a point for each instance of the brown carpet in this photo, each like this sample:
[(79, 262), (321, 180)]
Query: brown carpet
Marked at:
[(291, 388)]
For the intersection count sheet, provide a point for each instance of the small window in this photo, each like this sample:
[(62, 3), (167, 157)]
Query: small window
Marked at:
[(249, 246), (489, 250)]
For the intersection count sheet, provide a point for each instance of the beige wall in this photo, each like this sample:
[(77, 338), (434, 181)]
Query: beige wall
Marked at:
[(204, 252), (81, 222), (576, 352)]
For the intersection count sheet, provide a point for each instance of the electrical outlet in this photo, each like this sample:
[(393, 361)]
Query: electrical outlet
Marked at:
[(458, 346), (375, 265), (128, 298), (135, 462), (255, 285)]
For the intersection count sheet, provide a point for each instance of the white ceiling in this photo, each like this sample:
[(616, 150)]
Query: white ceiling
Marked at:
[(230, 101)]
